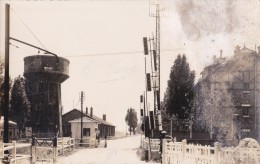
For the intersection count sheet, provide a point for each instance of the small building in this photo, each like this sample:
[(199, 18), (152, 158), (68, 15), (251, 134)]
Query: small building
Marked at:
[(104, 128), (13, 131), (89, 128)]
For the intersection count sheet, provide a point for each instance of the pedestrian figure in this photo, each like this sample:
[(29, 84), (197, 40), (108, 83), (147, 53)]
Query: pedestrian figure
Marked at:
[(105, 141), (97, 137)]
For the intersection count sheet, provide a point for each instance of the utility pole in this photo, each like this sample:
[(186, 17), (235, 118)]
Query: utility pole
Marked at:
[(81, 118), (6, 78)]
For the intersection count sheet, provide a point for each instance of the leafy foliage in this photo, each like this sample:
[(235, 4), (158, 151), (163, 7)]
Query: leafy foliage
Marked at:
[(214, 109), (178, 100), (19, 110), (131, 119)]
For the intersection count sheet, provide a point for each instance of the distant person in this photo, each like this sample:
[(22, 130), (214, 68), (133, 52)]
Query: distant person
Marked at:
[(105, 141), (97, 136)]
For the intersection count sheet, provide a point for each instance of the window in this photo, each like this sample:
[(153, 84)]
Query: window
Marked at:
[(245, 112), (245, 130), (246, 86), (86, 132), (228, 84)]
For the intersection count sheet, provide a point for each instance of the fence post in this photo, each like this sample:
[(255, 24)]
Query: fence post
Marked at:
[(73, 141), (184, 143), (55, 149), (33, 151), (163, 155), (13, 151), (69, 144), (62, 146), (1, 150), (216, 152)]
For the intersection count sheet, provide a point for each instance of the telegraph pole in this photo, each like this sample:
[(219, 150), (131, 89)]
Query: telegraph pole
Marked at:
[(81, 119), (6, 78)]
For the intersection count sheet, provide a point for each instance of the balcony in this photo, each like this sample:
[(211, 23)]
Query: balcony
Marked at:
[(245, 130), (245, 105)]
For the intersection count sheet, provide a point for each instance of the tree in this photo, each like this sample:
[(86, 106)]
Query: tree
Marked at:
[(178, 100), (131, 119), (19, 110), (214, 109)]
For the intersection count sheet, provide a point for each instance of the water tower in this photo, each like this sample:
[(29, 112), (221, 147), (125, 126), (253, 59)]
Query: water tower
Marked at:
[(44, 75)]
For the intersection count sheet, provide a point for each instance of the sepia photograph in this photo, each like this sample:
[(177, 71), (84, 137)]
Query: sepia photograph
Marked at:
[(130, 81)]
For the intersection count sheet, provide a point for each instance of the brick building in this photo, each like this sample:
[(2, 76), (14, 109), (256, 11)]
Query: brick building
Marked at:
[(234, 83), (105, 128)]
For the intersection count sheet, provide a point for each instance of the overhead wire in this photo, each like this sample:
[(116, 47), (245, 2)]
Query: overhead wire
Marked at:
[(114, 53), (106, 54), (27, 27)]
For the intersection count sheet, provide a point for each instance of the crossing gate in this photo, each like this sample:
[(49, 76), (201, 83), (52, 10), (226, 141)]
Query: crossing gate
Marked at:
[(45, 149)]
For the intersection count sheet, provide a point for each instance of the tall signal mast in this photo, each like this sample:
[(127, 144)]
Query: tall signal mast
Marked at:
[(156, 57)]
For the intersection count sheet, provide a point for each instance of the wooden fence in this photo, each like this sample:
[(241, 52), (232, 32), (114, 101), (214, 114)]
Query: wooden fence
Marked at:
[(91, 142), (154, 143), (183, 153), (18, 153), (40, 151)]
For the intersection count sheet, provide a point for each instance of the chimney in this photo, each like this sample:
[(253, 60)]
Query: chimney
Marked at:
[(104, 117), (237, 50), (258, 50), (91, 112), (87, 110), (214, 59)]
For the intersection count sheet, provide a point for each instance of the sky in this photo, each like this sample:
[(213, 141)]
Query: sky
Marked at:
[(102, 39)]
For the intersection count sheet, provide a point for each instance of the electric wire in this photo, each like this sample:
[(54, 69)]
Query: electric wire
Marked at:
[(27, 27), (115, 53)]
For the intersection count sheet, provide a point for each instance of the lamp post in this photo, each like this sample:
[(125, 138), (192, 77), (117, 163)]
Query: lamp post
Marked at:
[(171, 125), (190, 124)]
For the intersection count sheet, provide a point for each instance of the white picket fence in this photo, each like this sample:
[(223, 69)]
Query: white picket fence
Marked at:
[(183, 153)]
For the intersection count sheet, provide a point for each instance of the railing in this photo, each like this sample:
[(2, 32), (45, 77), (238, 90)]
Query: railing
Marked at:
[(42, 150), (18, 152), (65, 145), (154, 144), (87, 142), (183, 153), (45, 149)]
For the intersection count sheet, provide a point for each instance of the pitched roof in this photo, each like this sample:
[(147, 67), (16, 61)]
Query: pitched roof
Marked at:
[(247, 50), (100, 120), (75, 114), (10, 122), (84, 119)]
